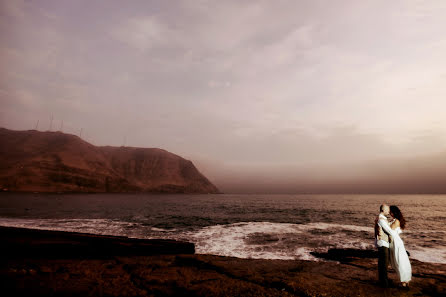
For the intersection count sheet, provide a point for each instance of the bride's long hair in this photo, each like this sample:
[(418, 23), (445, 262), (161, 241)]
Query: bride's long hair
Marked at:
[(396, 213)]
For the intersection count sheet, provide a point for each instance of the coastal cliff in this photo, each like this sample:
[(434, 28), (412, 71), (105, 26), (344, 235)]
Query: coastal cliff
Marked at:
[(58, 162)]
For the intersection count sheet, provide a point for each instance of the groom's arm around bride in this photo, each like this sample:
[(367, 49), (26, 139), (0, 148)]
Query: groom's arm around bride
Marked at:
[(382, 239)]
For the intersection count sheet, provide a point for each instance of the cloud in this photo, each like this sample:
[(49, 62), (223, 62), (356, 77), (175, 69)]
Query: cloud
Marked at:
[(143, 33), (219, 84), (249, 85), (13, 9)]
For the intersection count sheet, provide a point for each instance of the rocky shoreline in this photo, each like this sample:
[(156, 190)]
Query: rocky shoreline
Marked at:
[(55, 263)]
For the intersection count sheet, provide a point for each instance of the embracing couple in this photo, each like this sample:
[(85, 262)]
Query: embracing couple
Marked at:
[(391, 246)]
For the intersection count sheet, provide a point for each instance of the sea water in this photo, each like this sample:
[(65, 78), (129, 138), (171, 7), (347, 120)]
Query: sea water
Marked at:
[(245, 226)]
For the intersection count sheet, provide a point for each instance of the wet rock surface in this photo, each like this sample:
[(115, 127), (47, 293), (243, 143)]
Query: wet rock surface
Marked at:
[(346, 273)]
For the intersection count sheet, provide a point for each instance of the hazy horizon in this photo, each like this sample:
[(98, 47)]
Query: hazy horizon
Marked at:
[(266, 95)]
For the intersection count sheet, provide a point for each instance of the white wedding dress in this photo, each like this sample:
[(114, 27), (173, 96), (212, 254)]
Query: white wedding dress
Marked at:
[(399, 258)]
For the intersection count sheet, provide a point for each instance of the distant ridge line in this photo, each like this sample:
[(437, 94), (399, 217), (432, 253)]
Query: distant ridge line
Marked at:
[(53, 161)]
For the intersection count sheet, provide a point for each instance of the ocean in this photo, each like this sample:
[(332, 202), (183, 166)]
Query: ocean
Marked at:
[(245, 226)]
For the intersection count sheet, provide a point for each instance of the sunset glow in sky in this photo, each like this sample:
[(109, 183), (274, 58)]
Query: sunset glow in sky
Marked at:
[(243, 85)]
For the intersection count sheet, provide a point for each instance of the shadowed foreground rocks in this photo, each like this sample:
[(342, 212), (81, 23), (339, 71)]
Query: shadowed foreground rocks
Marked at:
[(158, 273), (22, 242)]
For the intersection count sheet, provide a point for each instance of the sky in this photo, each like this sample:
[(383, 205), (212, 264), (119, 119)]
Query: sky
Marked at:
[(247, 90)]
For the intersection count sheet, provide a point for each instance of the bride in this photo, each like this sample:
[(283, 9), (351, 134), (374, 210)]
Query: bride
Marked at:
[(398, 256)]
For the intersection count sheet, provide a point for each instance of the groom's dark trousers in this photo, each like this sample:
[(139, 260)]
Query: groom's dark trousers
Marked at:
[(383, 263)]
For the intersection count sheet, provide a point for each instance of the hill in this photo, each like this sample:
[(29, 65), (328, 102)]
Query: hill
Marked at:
[(58, 162)]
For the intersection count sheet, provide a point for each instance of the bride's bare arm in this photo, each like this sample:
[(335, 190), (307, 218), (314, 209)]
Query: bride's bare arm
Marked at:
[(395, 224)]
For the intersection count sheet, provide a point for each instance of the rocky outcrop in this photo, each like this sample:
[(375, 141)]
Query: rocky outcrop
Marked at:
[(58, 162), (17, 242), (129, 271)]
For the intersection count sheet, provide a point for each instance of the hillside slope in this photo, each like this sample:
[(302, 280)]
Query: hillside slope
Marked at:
[(58, 162)]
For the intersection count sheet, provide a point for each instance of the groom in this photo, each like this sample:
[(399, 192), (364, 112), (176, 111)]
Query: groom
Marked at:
[(382, 239)]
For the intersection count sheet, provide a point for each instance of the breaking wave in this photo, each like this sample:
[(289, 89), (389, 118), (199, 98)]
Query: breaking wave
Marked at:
[(256, 240)]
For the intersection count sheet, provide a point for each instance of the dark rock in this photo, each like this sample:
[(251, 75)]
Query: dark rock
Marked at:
[(130, 274), (346, 255), (20, 242)]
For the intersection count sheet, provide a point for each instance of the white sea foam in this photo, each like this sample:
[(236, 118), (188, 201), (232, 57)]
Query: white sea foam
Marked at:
[(288, 240), (327, 226), (93, 226), (259, 240), (233, 240), (229, 240), (162, 230), (430, 255)]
